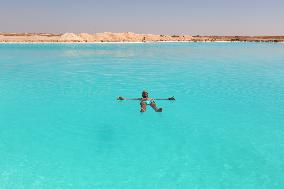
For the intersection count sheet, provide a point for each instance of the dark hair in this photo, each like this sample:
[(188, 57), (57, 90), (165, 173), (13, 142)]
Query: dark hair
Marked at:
[(144, 94)]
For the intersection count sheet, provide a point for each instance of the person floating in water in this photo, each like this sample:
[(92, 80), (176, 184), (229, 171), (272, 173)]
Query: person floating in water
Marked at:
[(146, 100)]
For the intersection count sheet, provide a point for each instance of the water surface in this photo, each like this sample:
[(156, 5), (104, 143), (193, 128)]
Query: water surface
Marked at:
[(62, 127)]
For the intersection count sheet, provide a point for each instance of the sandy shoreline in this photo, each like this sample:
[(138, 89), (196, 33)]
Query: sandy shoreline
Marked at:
[(102, 43), (127, 42), (127, 37)]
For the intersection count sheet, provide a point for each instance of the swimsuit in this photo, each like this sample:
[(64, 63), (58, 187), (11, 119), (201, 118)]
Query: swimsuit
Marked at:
[(148, 102)]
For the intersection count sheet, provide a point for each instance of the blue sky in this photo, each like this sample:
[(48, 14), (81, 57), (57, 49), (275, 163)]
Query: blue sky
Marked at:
[(196, 17)]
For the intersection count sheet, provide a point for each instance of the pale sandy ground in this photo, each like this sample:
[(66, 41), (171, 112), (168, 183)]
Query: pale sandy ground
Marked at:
[(124, 37)]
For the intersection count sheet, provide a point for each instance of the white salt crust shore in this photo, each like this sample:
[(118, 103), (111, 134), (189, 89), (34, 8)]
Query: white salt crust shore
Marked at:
[(130, 42), (127, 37)]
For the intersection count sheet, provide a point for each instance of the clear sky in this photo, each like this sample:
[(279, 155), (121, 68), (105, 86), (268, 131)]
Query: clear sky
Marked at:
[(195, 17)]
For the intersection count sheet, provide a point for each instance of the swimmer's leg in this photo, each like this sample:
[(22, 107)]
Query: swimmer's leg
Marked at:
[(143, 107), (154, 106)]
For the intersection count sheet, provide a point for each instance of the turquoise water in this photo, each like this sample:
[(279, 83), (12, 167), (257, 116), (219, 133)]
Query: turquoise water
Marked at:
[(62, 127)]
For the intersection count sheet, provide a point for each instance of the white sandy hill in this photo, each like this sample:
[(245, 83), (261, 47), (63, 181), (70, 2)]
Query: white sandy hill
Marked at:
[(70, 37), (120, 37), (112, 37), (108, 37), (87, 37)]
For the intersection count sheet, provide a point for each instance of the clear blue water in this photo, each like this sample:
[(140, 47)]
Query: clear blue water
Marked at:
[(62, 127)]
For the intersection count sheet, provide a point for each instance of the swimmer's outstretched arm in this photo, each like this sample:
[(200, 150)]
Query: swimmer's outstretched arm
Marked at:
[(171, 98), (122, 98)]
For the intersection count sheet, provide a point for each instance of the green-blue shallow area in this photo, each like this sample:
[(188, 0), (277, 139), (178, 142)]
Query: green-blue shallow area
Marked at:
[(62, 127)]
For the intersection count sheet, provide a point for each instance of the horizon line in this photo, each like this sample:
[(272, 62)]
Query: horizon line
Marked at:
[(177, 34)]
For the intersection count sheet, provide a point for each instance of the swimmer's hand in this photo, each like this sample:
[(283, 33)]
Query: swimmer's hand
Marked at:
[(120, 98), (171, 98)]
